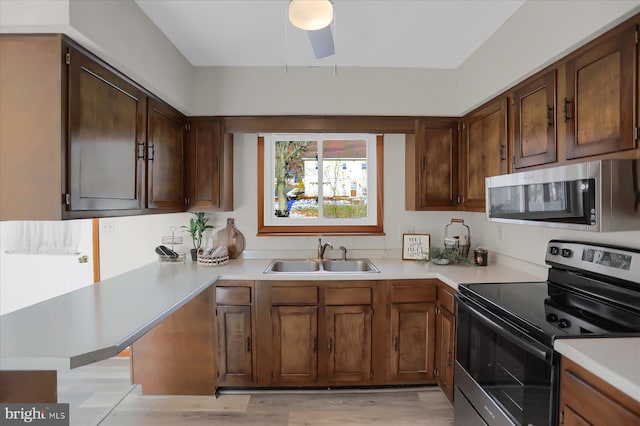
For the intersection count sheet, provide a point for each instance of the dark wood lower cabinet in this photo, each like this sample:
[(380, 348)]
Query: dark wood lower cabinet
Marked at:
[(588, 400), (333, 333), (295, 345), (446, 338), (413, 338), (445, 354), (235, 361), (349, 344)]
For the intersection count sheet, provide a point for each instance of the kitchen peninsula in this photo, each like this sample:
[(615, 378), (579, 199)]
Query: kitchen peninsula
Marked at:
[(98, 321)]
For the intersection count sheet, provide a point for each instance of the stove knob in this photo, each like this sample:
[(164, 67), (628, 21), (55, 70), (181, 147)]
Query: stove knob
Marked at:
[(552, 317), (554, 250), (563, 323), (566, 253)]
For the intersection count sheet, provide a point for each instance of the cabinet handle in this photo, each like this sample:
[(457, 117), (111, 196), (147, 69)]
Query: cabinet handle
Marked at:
[(502, 156), (215, 165), (329, 344), (449, 358), (314, 343), (140, 154), (151, 153), (422, 164), (565, 109), (549, 117), (248, 344), (395, 343)]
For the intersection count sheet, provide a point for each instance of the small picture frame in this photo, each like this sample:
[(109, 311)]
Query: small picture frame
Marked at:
[(415, 246)]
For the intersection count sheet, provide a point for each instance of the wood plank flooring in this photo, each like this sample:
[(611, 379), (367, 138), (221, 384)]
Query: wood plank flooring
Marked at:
[(101, 394)]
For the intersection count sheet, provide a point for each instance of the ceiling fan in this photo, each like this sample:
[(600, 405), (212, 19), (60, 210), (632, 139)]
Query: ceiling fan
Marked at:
[(314, 16)]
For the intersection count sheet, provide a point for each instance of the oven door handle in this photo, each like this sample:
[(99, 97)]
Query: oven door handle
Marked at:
[(533, 348)]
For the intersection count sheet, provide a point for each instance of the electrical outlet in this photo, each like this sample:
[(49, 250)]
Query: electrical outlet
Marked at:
[(108, 226)]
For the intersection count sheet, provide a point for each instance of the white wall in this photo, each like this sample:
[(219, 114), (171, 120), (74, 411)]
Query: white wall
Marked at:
[(41, 15), (318, 90), (129, 242), (122, 34)]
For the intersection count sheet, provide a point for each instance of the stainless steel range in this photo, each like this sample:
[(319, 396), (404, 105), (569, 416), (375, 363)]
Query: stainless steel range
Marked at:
[(506, 370)]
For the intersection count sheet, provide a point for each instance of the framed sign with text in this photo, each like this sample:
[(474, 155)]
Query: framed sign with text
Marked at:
[(415, 246)]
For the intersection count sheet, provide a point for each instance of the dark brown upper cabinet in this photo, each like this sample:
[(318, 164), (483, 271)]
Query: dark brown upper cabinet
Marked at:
[(431, 165), (165, 156), (534, 102), (209, 163), (599, 105), (106, 137), (484, 150)]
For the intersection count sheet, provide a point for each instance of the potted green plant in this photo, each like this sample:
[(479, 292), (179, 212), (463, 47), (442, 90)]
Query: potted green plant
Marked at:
[(196, 228), (444, 256)]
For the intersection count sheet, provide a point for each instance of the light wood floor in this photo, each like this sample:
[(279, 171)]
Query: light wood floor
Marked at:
[(101, 394)]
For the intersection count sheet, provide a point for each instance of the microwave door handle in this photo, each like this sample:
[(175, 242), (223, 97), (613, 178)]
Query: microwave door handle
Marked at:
[(530, 347)]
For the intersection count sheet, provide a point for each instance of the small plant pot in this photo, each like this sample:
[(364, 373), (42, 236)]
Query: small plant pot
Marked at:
[(194, 255)]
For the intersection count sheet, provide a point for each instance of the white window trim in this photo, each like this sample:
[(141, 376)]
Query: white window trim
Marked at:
[(269, 178)]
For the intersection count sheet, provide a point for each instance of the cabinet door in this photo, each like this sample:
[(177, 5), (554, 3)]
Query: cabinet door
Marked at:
[(412, 342), (599, 99), (535, 129), (484, 151), (445, 354), (106, 137), (235, 363), (203, 149), (165, 156), (432, 166), (349, 343), (295, 343)]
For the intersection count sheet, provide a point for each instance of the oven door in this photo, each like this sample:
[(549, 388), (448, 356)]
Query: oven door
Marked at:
[(507, 377)]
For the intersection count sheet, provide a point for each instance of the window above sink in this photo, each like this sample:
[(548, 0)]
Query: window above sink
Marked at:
[(320, 183)]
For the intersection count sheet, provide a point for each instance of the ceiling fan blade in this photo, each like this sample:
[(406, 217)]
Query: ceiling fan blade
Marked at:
[(322, 42)]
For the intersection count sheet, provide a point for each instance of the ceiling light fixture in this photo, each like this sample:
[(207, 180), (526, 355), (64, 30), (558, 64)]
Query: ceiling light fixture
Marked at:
[(310, 15)]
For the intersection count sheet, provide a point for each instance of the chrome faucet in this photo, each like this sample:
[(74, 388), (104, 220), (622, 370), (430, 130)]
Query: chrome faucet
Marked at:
[(344, 252), (322, 248)]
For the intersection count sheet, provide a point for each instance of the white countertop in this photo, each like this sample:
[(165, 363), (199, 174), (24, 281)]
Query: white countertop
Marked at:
[(98, 321), (615, 360)]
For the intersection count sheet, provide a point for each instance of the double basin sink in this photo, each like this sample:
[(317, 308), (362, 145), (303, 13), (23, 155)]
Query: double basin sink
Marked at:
[(314, 266)]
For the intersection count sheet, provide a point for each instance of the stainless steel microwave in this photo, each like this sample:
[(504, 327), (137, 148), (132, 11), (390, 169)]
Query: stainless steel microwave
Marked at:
[(599, 196)]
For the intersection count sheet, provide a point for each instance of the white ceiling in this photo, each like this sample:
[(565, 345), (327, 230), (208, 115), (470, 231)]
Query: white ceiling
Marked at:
[(367, 33)]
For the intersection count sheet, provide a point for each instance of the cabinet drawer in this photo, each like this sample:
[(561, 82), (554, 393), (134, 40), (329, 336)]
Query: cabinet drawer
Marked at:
[(347, 296), (294, 295), (233, 295), (412, 293), (446, 299)]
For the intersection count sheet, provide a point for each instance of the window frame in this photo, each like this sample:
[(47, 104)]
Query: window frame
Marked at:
[(372, 229)]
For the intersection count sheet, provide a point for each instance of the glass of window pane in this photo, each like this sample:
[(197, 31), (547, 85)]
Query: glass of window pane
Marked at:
[(344, 179), (296, 179)]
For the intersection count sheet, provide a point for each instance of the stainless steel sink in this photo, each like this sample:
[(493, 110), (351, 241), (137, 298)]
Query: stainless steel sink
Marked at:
[(312, 266), (349, 265), (293, 266)]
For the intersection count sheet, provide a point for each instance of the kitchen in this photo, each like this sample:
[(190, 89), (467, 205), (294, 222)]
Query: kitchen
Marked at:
[(404, 92)]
